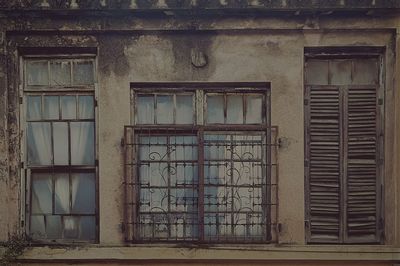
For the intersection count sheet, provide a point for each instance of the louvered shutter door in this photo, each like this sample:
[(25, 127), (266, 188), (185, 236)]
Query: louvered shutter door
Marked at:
[(343, 151), (324, 164), (362, 165)]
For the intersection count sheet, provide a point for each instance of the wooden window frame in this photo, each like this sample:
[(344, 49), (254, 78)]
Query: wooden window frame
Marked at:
[(56, 90), (332, 53)]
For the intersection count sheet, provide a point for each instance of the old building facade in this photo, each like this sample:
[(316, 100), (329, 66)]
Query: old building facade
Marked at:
[(200, 132)]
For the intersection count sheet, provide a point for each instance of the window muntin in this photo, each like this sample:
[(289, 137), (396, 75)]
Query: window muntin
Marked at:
[(234, 108), (60, 129), (234, 186), (59, 73), (165, 108), (60, 149), (168, 169), (208, 183), (63, 205)]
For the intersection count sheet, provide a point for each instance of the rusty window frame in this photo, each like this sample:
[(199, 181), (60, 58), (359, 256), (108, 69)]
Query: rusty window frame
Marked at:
[(58, 90), (130, 143)]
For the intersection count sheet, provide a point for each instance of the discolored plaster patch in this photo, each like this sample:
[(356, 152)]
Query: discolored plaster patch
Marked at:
[(112, 57), (182, 47)]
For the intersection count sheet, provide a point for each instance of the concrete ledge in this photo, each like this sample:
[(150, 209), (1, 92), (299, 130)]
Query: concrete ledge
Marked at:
[(215, 253)]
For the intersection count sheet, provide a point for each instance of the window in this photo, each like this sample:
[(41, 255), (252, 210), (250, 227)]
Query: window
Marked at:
[(60, 154), (198, 164), (344, 148)]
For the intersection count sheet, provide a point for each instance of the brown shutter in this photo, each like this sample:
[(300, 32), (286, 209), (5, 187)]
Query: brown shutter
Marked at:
[(343, 151), (323, 151), (362, 165)]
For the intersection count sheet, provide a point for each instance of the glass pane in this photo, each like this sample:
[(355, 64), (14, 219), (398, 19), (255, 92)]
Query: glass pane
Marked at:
[(86, 107), (61, 200), (317, 72), (71, 227), (82, 143), (83, 193), (183, 200), (254, 109), (83, 72), (68, 107), (60, 135), (39, 143), (153, 148), (37, 73), (60, 73), (154, 174), (184, 174), (234, 109), (154, 199), (340, 72), (184, 148), (42, 190), (366, 72), (145, 110), (37, 230), (216, 173), (165, 109), (217, 146), (51, 108), (34, 109), (210, 225), (184, 109), (215, 109), (87, 228), (53, 227)]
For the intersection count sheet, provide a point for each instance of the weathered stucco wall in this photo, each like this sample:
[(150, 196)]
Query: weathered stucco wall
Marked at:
[(138, 50), (3, 135), (274, 57)]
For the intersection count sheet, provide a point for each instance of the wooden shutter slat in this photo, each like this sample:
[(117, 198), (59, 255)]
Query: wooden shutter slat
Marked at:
[(361, 175), (343, 154), (324, 155)]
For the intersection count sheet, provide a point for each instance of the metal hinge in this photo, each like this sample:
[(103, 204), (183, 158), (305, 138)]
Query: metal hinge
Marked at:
[(21, 100), (122, 142), (307, 223), (381, 223), (96, 162), (280, 227), (305, 101), (95, 103), (21, 164), (380, 101), (306, 164)]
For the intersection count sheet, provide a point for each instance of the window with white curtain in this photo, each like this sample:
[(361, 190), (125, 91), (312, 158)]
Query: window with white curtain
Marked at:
[(60, 153)]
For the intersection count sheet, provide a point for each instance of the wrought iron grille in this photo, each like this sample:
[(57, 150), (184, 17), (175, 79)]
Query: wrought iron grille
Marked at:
[(206, 184)]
